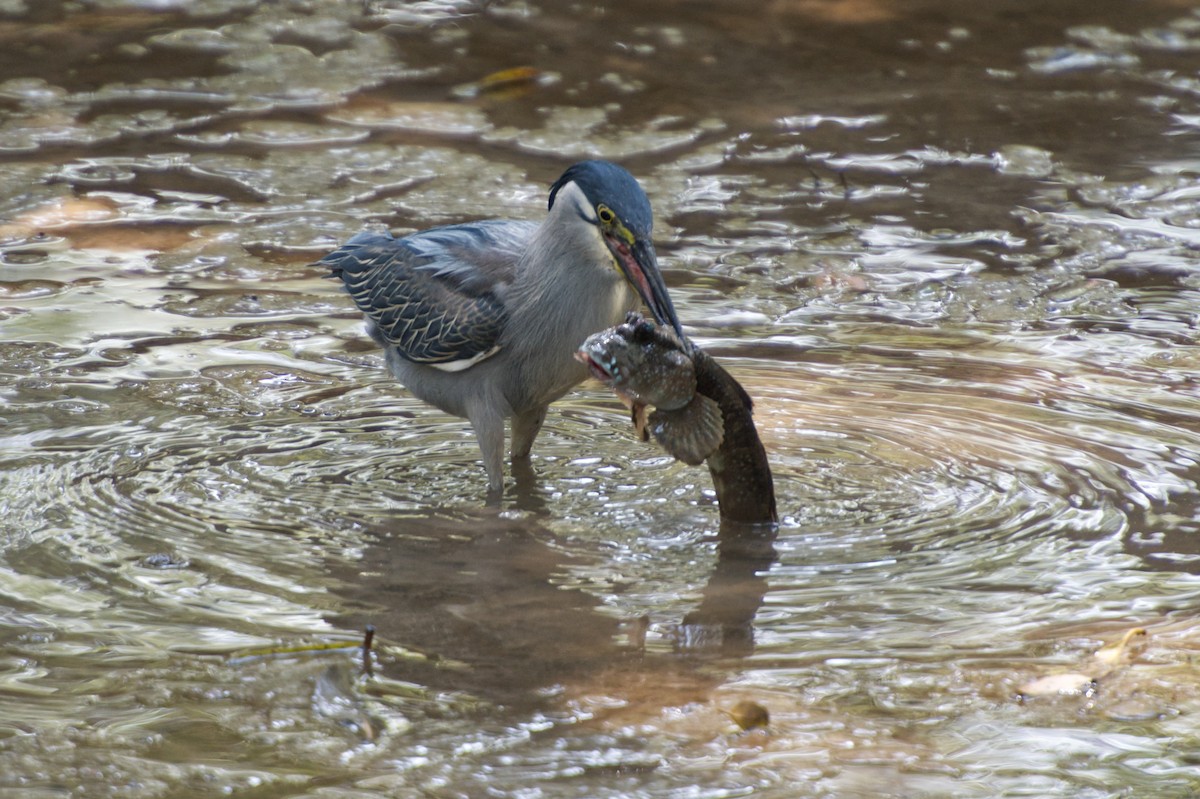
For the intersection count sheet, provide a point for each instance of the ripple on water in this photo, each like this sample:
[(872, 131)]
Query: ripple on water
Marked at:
[(191, 469)]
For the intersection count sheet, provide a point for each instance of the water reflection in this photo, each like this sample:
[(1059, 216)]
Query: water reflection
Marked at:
[(486, 595), (487, 591)]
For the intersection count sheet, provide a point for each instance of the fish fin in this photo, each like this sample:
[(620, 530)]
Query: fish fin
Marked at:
[(637, 412), (691, 433)]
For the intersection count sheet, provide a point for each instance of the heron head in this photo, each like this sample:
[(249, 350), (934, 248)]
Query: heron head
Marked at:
[(620, 211)]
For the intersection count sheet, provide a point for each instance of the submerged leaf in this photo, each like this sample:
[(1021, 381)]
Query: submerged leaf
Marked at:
[(749, 715), (505, 84), (1122, 651), (1070, 684)]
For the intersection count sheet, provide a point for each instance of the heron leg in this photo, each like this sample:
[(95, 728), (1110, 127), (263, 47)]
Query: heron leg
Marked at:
[(525, 427), (489, 432)]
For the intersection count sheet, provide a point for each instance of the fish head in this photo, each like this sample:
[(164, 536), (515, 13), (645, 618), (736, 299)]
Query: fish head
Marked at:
[(642, 362)]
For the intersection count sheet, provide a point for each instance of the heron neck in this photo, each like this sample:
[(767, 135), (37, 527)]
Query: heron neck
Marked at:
[(566, 288)]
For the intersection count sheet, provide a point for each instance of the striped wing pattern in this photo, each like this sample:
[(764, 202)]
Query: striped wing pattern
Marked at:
[(434, 294)]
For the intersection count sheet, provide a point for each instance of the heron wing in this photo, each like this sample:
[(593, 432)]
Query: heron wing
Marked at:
[(437, 295)]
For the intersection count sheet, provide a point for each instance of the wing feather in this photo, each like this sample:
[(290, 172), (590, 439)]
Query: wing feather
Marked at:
[(438, 295)]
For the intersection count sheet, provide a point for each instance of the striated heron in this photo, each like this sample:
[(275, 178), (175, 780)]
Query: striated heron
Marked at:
[(482, 319)]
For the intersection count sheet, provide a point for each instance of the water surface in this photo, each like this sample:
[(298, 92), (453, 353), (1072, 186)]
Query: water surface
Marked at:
[(949, 250)]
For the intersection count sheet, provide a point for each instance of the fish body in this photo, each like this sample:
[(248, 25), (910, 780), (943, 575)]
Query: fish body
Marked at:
[(702, 415), (646, 366)]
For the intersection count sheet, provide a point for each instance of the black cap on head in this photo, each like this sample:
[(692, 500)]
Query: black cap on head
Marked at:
[(605, 182)]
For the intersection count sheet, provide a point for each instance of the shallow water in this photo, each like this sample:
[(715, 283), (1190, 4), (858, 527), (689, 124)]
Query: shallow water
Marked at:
[(949, 250)]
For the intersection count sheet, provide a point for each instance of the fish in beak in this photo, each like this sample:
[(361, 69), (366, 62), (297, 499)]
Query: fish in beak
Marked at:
[(646, 365), (639, 264)]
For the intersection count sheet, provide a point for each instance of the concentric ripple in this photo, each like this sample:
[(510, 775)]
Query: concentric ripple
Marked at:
[(951, 257)]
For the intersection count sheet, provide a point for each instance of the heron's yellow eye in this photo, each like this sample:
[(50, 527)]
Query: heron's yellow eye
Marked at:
[(605, 213)]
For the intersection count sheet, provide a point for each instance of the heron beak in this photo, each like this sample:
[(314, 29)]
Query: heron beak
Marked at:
[(639, 264)]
